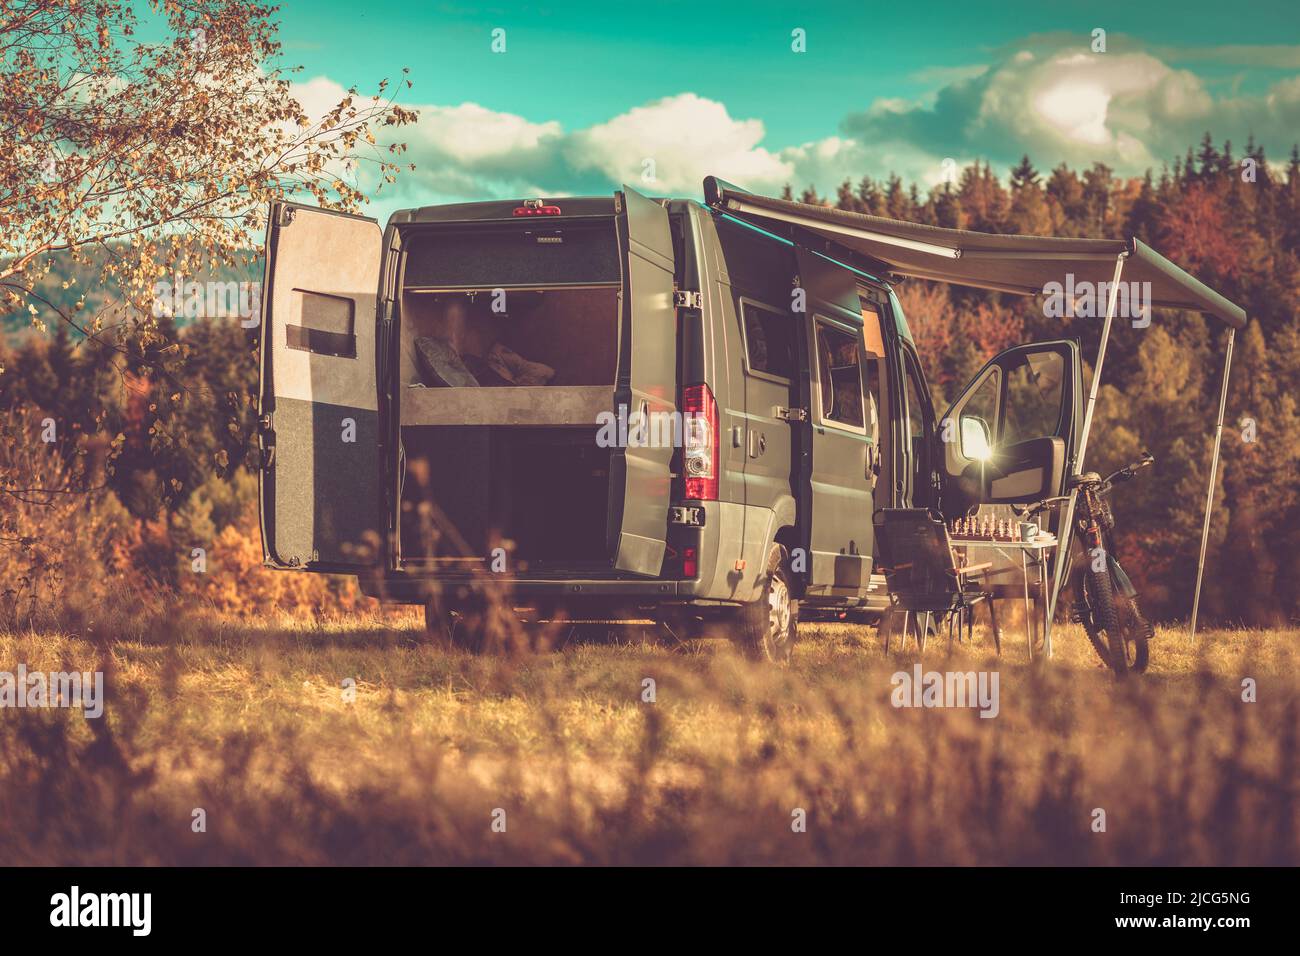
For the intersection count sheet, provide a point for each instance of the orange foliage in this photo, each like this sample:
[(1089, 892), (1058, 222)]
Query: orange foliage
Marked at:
[(235, 582)]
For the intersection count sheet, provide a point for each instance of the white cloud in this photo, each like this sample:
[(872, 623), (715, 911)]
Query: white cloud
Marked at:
[(686, 137), (1048, 96), (470, 133), (1053, 98)]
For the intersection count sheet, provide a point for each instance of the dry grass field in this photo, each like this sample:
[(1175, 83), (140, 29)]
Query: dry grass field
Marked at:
[(345, 741)]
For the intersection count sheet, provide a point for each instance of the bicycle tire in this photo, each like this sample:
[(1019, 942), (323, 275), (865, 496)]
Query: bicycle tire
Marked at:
[(1137, 630), (1102, 620)]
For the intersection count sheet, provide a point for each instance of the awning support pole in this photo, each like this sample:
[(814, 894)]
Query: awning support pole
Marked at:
[(1065, 533), (1214, 472)]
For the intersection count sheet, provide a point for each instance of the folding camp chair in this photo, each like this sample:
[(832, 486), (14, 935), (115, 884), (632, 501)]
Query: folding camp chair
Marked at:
[(923, 574)]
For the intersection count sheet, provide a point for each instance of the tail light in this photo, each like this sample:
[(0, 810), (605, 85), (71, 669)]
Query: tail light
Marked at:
[(690, 566), (700, 442)]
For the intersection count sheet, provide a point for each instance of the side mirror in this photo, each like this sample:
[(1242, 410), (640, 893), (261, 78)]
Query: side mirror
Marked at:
[(976, 440)]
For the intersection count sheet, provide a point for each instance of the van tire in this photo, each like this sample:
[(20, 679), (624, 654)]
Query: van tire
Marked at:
[(769, 626)]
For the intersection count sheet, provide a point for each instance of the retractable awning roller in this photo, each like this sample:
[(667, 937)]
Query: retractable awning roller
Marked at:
[(1024, 265), (1004, 263)]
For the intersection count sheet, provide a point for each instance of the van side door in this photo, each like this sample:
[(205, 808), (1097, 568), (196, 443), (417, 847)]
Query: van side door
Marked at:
[(318, 408), (835, 481)]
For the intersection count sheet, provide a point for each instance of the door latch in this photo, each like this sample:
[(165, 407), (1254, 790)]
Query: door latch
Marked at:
[(790, 414), (268, 440), (683, 299)]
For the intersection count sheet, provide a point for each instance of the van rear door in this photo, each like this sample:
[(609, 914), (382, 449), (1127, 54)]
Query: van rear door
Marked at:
[(646, 385), (318, 402)]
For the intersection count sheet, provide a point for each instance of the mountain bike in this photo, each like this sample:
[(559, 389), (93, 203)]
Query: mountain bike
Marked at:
[(1105, 600)]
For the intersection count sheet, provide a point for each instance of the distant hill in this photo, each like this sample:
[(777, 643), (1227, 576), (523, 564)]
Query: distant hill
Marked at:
[(68, 280)]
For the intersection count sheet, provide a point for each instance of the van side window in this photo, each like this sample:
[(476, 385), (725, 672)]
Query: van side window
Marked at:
[(918, 406), (920, 426), (874, 373), (839, 367), (1035, 392), (769, 340)]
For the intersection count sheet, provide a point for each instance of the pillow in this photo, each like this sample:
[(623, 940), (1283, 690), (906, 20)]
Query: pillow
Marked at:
[(440, 364), (509, 364), (485, 374)]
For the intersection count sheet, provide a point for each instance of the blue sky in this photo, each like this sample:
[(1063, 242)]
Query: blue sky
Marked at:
[(584, 95)]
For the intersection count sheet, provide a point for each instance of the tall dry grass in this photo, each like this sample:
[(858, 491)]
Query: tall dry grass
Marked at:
[(252, 724)]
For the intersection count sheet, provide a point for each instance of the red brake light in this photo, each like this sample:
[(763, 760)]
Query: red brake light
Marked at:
[(537, 210), (700, 442), (690, 567)]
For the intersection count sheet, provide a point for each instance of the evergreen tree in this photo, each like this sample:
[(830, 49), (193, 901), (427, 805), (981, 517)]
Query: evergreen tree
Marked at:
[(870, 196), (1208, 156), (845, 198), (896, 204), (1144, 213), (1024, 174)]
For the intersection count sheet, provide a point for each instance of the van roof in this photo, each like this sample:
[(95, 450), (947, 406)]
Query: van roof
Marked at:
[(571, 206)]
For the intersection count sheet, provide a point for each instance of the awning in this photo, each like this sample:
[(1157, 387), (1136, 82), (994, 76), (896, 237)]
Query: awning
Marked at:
[(1025, 265)]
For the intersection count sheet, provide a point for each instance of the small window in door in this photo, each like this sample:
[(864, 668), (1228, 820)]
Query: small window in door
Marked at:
[(839, 372), (325, 325), (769, 341)]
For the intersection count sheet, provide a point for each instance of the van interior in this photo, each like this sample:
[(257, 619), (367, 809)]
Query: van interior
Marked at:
[(499, 396), (484, 338)]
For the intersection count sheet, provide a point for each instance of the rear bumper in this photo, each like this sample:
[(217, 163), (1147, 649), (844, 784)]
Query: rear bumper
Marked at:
[(412, 589)]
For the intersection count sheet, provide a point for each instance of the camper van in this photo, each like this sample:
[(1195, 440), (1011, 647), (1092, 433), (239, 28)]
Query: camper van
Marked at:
[(618, 408)]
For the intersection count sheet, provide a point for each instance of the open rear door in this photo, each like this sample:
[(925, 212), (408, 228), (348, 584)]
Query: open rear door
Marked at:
[(318, 412), (640, 475), (1012, 434)]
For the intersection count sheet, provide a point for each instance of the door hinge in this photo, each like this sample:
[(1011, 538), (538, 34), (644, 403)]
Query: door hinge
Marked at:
[(682, 299), (790, 414)]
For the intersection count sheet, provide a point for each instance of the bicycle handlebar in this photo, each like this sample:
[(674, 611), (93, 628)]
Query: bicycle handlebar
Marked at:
[(1128, 471)]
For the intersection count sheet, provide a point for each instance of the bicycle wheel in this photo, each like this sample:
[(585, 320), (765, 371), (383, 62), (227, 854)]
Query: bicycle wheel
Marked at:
[(1136, 631), (1101, 620)]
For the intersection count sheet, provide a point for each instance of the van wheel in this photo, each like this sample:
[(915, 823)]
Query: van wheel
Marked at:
[(768, 626)]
